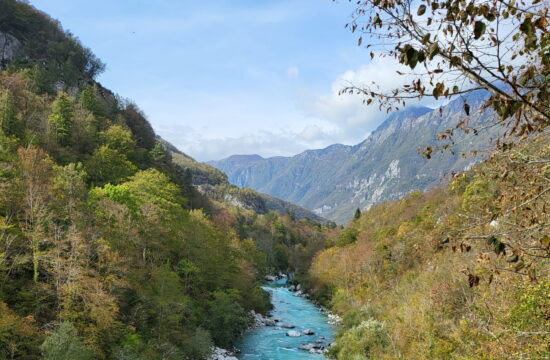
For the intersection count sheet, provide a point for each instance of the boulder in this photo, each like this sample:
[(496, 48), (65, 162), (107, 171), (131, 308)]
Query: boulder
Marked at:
[(288, 326), (308, 332), (293, 333), (221, 354), (306, 347)]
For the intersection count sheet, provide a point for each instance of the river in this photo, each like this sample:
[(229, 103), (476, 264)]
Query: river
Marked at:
[(271, 343)]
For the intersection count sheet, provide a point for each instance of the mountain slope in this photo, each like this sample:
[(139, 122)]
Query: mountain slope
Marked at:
[(107, 250), (336, 180), (213, 183)]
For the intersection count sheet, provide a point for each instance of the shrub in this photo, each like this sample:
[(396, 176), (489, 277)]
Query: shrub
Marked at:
[(361, 340), (65, 344)]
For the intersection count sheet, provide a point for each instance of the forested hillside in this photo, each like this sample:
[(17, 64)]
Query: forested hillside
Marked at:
[(459, 272), (107, 250), (214, 184)]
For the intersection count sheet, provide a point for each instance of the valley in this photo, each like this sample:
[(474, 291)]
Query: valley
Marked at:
[(429, 239)]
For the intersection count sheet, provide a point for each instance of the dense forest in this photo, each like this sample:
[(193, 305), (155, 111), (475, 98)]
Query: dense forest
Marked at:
[(107, 250)]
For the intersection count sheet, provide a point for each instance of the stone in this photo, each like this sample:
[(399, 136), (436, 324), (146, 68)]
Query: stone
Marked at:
[(8, 47), (293, 333), (221, 354), (306, 347), (288, 326), (308, 332)]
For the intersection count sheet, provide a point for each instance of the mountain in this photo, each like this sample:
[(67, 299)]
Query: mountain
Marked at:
[(214, 184), (335, 181)]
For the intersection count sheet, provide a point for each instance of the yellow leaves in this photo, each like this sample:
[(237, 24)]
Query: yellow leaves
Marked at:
[(404, 229)]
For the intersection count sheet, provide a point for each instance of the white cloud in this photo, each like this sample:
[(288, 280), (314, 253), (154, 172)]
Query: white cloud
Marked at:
[(351, 119), (263, 143), (319, 120)]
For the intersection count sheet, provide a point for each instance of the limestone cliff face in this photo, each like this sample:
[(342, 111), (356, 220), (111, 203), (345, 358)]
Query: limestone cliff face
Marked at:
[(334, 181), (9, 45)]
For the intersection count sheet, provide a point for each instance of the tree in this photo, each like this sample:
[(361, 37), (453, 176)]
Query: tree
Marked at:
[(109, 166), (167, 297), (8, 114), (36, 170), (60, 119), (357, 214), (118, 138), (500, 46), (152, 186), (65, 344), (19, 337), (227, 319), (91, 100)]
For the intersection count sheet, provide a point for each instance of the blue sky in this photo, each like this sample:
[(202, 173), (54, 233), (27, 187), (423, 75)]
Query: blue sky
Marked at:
[(226, 77)]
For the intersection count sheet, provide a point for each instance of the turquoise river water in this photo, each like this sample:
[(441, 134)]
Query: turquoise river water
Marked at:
[(271, 343)]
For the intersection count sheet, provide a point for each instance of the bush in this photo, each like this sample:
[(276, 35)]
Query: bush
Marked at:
[(199, 345), (361, 340), (227, 320), (65, 344)]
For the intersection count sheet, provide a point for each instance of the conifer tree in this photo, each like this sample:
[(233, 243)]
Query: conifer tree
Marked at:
[(60, 120)]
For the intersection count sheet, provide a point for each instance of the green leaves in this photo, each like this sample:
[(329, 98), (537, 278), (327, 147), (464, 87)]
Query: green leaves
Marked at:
[(60, 119), (526, 27), (410, 56), (479, 29), (498, 246), (433, 51)]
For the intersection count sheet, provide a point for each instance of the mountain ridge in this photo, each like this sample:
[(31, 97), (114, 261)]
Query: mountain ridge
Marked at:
[(336, 180)]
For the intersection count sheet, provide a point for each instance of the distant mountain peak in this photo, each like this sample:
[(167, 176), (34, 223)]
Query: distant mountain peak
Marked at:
[(243, 157)]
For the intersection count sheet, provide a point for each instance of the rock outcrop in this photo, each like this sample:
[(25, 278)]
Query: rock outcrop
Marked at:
[(9, 46)]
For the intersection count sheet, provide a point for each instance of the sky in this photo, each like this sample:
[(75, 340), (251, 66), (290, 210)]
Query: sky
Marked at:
[(224, 77)]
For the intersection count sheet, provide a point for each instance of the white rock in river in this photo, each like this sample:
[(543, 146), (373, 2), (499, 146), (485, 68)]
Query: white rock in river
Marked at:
[(288, 326), (308, 332), (293, 333), (221, 354)]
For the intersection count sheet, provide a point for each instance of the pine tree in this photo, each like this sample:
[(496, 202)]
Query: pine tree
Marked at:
[(61, 118), (8, 119), (357, 214)]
